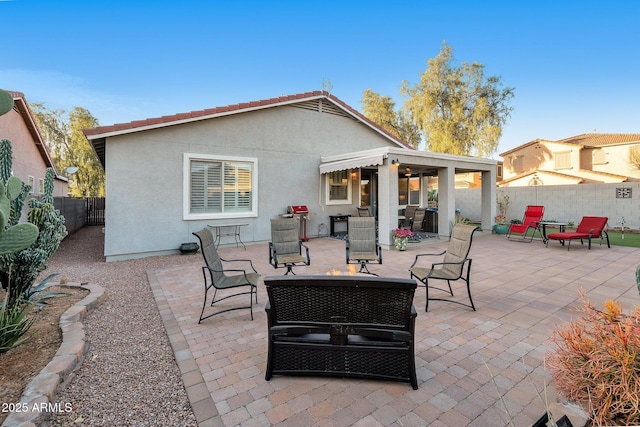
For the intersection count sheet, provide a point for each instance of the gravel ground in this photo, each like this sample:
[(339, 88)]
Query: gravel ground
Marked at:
[(129, 376)]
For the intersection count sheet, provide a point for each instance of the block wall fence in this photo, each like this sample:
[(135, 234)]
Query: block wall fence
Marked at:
[(563, 202)]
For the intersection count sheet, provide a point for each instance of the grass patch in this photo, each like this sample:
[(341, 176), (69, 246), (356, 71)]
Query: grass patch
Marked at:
[(615, 237)]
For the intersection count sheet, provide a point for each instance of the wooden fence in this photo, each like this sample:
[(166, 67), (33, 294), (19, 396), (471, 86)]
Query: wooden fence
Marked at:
[(80, 212)]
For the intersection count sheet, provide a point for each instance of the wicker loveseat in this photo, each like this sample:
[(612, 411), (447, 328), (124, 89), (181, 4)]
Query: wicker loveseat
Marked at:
[(352, 326)]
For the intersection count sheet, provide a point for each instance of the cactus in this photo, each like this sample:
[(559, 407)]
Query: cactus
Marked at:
[(638, 278), (16, 237), (28, 263), (6, 102)]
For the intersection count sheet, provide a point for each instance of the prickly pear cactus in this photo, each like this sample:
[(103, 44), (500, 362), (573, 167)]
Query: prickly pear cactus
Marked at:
[(16, 237), (29, 262), (6, 102)]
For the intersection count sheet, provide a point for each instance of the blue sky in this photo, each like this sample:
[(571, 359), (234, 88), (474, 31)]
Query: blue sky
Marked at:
[(575, 65)]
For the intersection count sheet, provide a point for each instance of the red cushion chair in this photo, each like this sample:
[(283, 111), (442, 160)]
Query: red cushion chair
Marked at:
[(589, 227), (531, 221)]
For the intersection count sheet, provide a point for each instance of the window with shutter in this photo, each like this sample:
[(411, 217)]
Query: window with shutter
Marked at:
[(634, 155), (599, 157), (338, 188), (562, 160), (219, 187), (518, 164)]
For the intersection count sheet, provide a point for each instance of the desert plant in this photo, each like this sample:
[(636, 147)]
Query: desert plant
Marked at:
[(504, 203), (37, 295), (13, 236), (28, 263), (14, 324), (597, 362), (6, 102)]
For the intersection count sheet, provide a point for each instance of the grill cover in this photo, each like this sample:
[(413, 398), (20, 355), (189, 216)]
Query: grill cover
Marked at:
[(297, 209)]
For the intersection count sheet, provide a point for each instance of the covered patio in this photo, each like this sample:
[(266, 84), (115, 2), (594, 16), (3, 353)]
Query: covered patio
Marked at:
[(388, 166), (469, 364)]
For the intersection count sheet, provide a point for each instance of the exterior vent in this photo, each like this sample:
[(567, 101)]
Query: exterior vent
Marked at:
[(320, 106)]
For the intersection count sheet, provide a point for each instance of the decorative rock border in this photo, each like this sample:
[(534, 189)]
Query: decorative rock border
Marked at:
[(38, 397)]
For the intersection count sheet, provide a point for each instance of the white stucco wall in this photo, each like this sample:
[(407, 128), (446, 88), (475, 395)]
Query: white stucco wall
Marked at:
[(144, 175)]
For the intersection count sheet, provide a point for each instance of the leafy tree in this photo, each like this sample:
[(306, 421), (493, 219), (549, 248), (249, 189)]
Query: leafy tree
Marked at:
[(381, 110), (459, 110), (70, 148)]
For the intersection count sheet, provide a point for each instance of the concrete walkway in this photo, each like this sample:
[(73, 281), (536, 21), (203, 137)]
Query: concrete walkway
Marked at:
[(470, 365)]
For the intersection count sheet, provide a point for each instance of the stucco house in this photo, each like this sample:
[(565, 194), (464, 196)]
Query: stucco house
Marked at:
[(31, 158), (246, 163), (582, 159)]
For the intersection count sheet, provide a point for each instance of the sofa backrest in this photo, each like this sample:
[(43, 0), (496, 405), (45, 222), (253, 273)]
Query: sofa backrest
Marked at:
[(354, 300)]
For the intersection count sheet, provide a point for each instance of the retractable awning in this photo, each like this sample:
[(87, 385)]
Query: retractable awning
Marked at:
[(354, 163)]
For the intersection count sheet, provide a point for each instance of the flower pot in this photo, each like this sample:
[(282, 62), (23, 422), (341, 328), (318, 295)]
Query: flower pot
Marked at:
[(500, 229), (400, 243)]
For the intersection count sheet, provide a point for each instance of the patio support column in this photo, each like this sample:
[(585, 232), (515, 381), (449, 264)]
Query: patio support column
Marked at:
[(488, 201), (387, 202), (446, 200)]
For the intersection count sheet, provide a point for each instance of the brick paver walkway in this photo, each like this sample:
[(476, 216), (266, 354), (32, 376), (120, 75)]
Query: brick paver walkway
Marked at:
[(465, 360)]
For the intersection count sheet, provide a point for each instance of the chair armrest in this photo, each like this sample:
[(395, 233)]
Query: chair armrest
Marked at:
[(415, 261), (240, 260), (450, 263), (435, 264)]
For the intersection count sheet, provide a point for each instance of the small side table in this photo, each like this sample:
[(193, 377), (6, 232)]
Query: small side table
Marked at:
[(222, 230), (561, 225), (339, 218)]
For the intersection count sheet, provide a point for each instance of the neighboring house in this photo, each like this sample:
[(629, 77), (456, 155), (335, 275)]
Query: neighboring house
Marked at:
[(583, 159), (245, 164), (31, 158), (469, 179)]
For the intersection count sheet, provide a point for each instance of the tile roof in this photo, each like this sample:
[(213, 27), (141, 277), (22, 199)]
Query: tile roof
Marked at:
[(579, 176), (133, 126), (585, 140), (97, 136), (21, 105), (601, 139)]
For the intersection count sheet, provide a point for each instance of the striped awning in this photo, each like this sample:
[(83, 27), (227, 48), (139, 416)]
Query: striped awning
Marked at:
[(354, 163)]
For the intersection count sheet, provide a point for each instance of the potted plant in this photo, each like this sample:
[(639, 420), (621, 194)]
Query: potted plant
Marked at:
[(596, 362), (432, 198), (500, 227), (401, 238), (503, 203)]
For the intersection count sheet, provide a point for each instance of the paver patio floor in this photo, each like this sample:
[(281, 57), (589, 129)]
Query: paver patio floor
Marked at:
[(465, 360)]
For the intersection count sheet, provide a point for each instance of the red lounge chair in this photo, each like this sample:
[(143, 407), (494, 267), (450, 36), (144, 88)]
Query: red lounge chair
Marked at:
[(589, 227), (531, 221)]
